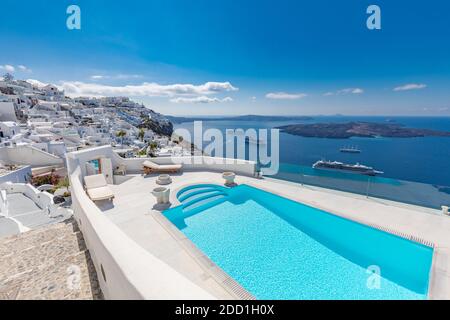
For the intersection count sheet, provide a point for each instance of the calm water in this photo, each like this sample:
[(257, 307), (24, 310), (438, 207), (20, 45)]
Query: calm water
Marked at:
[(424, 160), (281, 249)]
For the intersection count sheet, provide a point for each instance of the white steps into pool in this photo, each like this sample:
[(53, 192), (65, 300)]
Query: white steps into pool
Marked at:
[(200, 195)]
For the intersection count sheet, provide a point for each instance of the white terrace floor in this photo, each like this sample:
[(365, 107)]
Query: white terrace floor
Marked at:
[(132, 210)]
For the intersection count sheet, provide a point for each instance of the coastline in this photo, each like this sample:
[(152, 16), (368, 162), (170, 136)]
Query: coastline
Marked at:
[(185, 144)]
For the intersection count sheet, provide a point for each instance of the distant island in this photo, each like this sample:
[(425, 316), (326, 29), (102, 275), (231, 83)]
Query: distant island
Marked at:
[(249, 117), (359, 129)]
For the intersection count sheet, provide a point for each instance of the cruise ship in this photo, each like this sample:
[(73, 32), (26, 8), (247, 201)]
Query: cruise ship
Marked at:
[(351, 168)]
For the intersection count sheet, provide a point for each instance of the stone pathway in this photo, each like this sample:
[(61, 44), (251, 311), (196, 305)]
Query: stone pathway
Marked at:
[(47, 263)]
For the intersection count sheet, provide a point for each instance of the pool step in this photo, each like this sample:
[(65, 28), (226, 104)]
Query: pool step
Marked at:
[(204, 203), (199, 187), (203, 197), (195, 192), (200, 195)]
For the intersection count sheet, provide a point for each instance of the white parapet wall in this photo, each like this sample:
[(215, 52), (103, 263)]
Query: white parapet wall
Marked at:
[(194, 163), (43, 199), (125, 270), (29, 155), (22, 175)]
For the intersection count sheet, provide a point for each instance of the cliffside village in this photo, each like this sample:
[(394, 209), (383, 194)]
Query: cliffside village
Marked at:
[(39, 124)]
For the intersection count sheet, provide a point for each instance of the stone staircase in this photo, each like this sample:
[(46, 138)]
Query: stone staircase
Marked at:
[(47, 263)]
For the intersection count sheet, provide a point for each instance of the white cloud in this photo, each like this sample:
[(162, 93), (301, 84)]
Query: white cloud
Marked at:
[(7, 68), (127, 76), (77, 88), (410, 86), (350, 90), (200, 99), (436, 109), (357, 91), (11, 69), (285, 96), (37, 83), (116, 77), (97, 77), (345, 91), (24, 68)]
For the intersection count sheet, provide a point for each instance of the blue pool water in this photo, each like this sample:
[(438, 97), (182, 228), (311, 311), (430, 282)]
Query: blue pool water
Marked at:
[(280, 249)]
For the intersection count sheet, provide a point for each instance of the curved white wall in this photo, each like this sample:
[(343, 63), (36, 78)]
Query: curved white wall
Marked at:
[(125, 270)]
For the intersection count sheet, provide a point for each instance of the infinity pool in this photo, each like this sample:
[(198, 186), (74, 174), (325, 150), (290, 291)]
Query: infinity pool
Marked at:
[(281, 249)]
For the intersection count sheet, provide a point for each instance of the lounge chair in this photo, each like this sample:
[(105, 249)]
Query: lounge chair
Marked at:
[(97, 188), (149, 166)]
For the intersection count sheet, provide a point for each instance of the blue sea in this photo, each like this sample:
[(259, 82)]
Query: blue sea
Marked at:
[(424, 160)]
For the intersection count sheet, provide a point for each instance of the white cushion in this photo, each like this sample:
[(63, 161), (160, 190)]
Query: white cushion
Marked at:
[(95, 181), (161, 167), (150, 164), (101, 193)]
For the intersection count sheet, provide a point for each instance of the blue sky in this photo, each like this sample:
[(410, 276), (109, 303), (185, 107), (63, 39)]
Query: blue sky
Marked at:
[(228, 57)]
